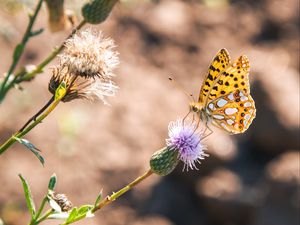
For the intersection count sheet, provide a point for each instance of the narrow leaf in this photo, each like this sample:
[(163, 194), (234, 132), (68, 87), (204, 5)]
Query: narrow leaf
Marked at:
[(52, 182), (99, 198), (28, 197), (84, 209), (72, 215), (32, 148), (37, 32), (18, 51)]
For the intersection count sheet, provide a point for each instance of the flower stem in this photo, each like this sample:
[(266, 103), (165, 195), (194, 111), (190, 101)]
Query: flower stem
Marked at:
[(39, 68), (41, 208), (20, 47), (122, 191), (37, 114), (44, 217), (20, 134), (20, 76), (114, 196)]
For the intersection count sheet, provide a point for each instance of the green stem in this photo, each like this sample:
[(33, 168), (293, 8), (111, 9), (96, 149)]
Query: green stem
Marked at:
[(27, 35), (114, 196), (18, 134), (20, 76), (39, 68), (41, 208), (44, 217)]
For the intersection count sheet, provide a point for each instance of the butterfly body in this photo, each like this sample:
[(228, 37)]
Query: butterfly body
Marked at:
[(224, 97)]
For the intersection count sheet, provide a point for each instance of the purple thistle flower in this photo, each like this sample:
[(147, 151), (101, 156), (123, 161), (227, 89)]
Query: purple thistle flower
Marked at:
[(184, 137)]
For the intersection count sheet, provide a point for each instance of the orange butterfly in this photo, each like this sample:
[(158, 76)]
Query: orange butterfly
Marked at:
[(225, 96)]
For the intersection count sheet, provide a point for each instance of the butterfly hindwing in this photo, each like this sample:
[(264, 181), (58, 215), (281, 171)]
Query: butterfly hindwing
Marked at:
[(233, 112), (218, 65)]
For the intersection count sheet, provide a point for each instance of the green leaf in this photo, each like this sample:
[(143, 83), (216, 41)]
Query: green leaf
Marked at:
[(28, 197), (73, 214), (52, 182), (37, 32), (99, 198), (32, 148), (84, 209), (61, 91), (18, 51)]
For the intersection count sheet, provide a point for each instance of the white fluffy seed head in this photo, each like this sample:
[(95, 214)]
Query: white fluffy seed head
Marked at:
[(89, 54), (86, 66)]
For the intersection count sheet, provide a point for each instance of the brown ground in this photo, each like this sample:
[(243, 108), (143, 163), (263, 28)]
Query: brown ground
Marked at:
[(248, 179)]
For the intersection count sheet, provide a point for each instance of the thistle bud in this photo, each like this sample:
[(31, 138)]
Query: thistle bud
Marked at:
[(97, 11), (164, 161)]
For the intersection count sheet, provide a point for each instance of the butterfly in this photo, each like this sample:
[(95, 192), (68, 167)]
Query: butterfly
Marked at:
[(224, 97)]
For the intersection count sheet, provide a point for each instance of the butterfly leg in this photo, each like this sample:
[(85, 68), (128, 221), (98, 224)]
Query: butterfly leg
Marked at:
[(210, 131), (184, 118), (197, 125)]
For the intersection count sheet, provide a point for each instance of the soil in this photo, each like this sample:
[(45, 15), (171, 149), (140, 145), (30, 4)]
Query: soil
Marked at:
[(249, 179)]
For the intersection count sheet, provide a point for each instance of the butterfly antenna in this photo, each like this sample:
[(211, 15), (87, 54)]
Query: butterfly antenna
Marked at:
[(178, 86)]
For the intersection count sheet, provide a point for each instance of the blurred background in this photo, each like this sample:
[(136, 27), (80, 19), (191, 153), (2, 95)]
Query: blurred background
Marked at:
[(249, 179)]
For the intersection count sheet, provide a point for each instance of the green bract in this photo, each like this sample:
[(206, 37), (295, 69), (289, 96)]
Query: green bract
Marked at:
[(97, 11)]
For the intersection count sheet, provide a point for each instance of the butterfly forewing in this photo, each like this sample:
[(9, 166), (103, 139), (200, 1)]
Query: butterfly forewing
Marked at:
[(220, 62), (232, 112), (234, 77)]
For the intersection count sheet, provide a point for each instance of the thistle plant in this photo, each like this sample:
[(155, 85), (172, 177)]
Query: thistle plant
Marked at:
[(183, 144), (93, 9), (85, 71)]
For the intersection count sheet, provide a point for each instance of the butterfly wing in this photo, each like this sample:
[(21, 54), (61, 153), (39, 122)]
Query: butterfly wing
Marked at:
[(220, 62), (229, 104), (232, 112), (234, 77)]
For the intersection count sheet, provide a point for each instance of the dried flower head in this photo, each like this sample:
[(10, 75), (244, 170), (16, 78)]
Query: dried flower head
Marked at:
[(88, 54), (62, 201), (86, 67), (184, 138)]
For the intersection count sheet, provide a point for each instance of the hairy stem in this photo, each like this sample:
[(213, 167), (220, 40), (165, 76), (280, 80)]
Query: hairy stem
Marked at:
[(39, 68), (37, 114), (20, 76), (44, 217), (114, 196), (16, 58), (41, 208), (39, 119)]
